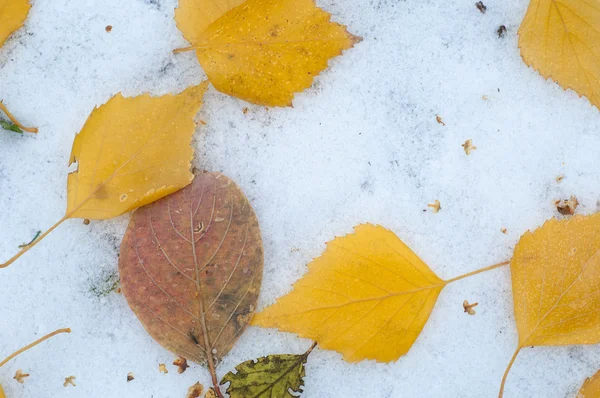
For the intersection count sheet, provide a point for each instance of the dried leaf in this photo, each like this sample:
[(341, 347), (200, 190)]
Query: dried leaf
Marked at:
[(567, 207), (193, 282), (469, 307), (435, 206), (130, 152), (130, 377), (559, 40), (590, 387), (262, 51), (468, 147), (69, 381), (368, 297), (195, 391), (181, 364), (12, 16), (556, 284), (210, 393), (20, 376), (271, 376), (162, 368)]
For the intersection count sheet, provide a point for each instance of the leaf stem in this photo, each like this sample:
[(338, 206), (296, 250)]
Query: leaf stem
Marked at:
[(184, 49), (312, 347), (479, 271), (26, 248), (512, 360), (27, 347), (15, 121)]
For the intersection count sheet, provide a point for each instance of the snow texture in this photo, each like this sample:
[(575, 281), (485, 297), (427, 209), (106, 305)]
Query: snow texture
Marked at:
[(361, 145)]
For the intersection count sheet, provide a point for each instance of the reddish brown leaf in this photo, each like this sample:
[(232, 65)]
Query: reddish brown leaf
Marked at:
[(194, 298)]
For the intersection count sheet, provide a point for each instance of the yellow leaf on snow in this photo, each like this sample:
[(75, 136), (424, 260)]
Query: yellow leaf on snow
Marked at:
[(555, 274), (12, 16), (131, 152), (591, 387), (2, 393), (368, 297), (262, 51), (559, 38)]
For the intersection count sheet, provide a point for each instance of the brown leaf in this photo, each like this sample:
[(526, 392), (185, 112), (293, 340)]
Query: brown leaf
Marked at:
[(192, 281), (69, 381), (195, 391), (567, 207), (20, 376), (182, 364)]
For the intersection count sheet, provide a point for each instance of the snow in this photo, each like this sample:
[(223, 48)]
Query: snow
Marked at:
[(361, 145)]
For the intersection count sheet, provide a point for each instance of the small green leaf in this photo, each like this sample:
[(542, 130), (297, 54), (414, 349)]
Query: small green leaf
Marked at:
[(10, 127), (271, 376)]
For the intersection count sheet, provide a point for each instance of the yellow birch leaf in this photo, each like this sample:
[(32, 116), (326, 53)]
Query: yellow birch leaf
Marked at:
[(591, 387), (263, 51), (556, 284), (12, 16), (559, 38), (368, 297), (193, 17), (130, 152), (2, 392)]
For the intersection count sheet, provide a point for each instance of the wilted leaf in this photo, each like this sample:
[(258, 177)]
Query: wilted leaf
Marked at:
[(130, 152), (591, 387), (556, 284), (262, 51), (559, 38), (10, 126), (12, 15), (368, 297), (191, 266), (271, 376)]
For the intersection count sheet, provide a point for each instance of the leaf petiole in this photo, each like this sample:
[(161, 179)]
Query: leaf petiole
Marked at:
[(27, 347), (15, 121)]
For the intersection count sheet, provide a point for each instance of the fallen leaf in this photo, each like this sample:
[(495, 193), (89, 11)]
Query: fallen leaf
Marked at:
[(435, 206), (262, 51), (69, 381), (481, 7), (195, 391), (14, 124), (162, 368), (555, 274), (181, 364), (469, 307), (210, 393), (2, 392), (501, 31), (271, 376), (468, 147), (195, 299), (108, 28), (130, 152), (559, 178), (567, 207), (20, 376), (590, 387), (559, 40), (130, 376), (12, 16), (368, 297), (439, 120)]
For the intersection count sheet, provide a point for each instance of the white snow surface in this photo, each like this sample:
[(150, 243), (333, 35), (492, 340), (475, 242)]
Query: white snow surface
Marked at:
[(361, 145)]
